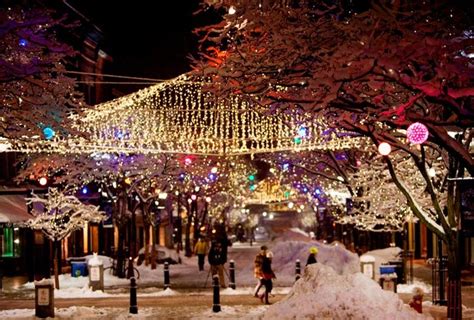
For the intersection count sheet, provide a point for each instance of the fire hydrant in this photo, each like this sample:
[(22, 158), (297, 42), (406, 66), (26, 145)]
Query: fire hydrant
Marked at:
[(417, 300)]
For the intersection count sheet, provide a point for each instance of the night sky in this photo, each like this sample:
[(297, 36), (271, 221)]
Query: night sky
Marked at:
[(146, 38)]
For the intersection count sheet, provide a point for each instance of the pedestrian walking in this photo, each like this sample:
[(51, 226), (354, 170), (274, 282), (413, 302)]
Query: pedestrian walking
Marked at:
[(313, 251), (217, 259), (200, 249), (268, 276), (258, 269)]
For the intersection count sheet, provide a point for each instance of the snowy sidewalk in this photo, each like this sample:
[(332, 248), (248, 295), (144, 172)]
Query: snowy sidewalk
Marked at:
[(188, 299)]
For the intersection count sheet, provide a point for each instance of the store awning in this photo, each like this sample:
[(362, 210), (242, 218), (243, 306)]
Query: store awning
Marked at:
[(13, 209)]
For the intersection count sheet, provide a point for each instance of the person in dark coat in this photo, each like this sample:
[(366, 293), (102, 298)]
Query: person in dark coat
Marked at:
[(313, 251), (258, 269), (267, 277), (217, 259)]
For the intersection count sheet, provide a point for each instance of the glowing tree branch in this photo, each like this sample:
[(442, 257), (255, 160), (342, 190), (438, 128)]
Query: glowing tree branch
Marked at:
[(62, 214)]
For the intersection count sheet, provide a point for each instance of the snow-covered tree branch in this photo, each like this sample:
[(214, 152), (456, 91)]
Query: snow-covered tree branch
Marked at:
[(63, 213)]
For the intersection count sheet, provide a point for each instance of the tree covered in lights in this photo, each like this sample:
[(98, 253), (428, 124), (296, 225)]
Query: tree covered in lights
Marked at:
[(36, 96), (133, 183), (378, 205), (62, 214), (128, 183), (374, 73), (221, 180)]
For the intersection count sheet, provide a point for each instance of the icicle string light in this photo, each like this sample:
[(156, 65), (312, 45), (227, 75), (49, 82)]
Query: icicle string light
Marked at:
[(179, 117)]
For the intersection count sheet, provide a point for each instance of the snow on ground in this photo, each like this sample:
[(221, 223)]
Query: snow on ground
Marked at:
[(322, 293), (332, 288), (183, 312), (386, 255)]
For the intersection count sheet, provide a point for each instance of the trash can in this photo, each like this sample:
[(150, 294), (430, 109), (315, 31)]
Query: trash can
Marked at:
[(96, 273), (44, 299), (388, 278), (78, 268), (367, 266)]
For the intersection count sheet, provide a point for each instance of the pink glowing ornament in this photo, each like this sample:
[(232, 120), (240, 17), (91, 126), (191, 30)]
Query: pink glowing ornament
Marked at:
[(385, 149), (417, 133)]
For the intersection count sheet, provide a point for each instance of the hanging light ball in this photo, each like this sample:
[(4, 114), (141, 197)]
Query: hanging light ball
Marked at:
[(302, 132), (43, 181), (417, 133), (385, 149), (188, 161), (48, 133)]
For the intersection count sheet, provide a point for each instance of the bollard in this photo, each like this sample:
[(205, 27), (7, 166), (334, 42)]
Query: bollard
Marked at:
[(298, 269), (216, 304), (133, 296), (96, 273), (232, 274), (166, 272), (44, 299)]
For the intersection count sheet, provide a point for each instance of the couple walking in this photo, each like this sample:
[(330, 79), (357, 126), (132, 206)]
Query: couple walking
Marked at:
[(264, 273)]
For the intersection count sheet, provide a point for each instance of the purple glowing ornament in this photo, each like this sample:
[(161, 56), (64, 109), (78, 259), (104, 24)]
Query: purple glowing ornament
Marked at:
[(417, 133)]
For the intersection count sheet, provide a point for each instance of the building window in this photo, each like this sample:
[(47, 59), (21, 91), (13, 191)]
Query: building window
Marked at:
[(10, 240)]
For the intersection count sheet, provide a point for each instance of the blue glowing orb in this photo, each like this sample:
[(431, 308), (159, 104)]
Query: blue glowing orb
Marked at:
[(302, 132), (48, 133), (84, 190), (23, 42)]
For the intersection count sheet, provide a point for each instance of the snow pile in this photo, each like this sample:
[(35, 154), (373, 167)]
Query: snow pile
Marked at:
[(104, 260), (285, 254), (44, 282), (163, 253), (95, 261), (295, 234), (408, 288), (323, 293), (337, 257), (367, 258)]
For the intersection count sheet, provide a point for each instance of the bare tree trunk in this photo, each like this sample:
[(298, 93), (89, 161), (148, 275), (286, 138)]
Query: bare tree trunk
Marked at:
[(120, 253), (121, 210), (133, 244), (153, 248), (187, 240), (454, 280), (147, 244), (455, 170), (55, 264)]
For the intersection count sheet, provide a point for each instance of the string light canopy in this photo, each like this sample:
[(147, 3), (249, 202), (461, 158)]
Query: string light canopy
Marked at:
[(178, 116)]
